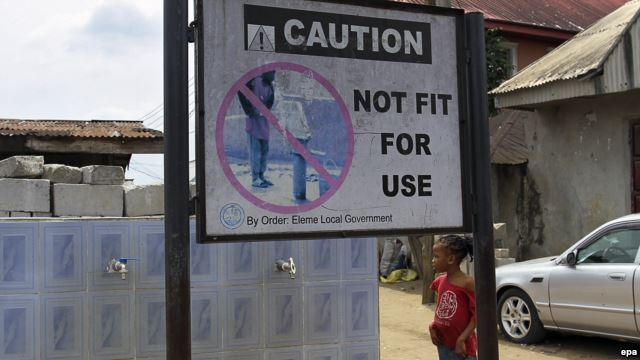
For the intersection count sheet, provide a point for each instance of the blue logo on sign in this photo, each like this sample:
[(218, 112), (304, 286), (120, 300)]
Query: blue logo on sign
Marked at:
[(231, 216)]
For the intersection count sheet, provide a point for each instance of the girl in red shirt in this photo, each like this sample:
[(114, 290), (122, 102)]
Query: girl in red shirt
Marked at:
[(453, 327)]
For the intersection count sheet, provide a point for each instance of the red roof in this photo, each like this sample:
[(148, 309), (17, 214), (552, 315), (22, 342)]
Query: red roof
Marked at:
[(81, 129), (567, 15)]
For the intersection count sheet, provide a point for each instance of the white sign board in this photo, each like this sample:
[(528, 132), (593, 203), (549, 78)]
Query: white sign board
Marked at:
[(325, 119)]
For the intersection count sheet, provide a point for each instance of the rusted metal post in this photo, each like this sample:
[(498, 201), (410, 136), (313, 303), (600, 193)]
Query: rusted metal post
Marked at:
[(176, 176), (484, 267)]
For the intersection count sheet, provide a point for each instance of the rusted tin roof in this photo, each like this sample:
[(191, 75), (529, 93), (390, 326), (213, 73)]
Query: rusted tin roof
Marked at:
[(579, 57), (79, 129), (508, 145), (567, 15)]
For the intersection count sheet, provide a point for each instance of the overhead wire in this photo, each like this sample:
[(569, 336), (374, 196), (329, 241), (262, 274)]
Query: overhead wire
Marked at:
[(145, 173), (155, 118), (160, 116)]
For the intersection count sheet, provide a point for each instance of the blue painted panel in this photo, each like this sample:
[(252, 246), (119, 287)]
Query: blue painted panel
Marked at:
[(125, 323), (284, 315), (205, 357), (17, 258), (320, 260), (109, 240), (150, 263), (63, 333), (204, 262), (322, 352), (244, 321), (322, 318), (205, 321), (242, 355), (361, 351), (64, 256), (283, 354), (282, 250), (243, 263), (151, 326), (111, 324), (18, 327), (360, 258), (361, 310)]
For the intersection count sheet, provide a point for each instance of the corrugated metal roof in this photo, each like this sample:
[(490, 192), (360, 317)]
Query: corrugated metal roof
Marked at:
[(583, 55), (81, 129), (508, 146), (570, 15), (621, 71)]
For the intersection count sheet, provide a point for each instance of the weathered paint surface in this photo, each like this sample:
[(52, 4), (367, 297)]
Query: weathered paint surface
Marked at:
[(577, 178)]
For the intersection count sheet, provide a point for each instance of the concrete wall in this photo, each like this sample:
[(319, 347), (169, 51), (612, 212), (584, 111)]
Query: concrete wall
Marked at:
[(578, 176), (509, 206), (28, 188)]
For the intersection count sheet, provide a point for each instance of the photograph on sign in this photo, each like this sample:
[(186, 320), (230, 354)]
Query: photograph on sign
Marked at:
[(319, 122), (284, 138)]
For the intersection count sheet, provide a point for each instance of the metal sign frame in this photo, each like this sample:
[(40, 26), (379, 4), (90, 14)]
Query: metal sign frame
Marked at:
[(464, 134)]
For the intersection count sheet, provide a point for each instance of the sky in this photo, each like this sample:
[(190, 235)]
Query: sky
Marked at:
[(82, 60)]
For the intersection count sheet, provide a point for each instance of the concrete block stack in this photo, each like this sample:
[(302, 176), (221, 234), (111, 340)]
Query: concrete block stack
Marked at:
[(501, 254), (62, 174), (28, 188), (500, 237), (143, 200), (502, 257), (100, 194), (21, 194)]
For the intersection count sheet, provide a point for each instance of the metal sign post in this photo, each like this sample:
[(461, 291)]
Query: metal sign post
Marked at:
[(176, 175), (484, 267)]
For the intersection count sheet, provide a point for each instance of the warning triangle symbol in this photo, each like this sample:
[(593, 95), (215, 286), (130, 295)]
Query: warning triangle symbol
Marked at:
[(261, 41)]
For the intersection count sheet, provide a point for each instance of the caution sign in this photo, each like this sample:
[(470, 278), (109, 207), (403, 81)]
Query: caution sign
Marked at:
[(316, 122), (339, 35)]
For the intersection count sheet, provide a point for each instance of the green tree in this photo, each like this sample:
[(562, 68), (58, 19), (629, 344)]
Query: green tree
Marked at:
[(498, 66)]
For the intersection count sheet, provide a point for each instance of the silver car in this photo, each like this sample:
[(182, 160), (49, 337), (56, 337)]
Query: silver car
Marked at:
[(589, 289)]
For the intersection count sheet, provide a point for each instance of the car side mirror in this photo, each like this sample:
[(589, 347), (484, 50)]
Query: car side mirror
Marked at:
[(572, 258)]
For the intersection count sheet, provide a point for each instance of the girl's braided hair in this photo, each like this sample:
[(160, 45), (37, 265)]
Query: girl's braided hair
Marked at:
[(460, 246)]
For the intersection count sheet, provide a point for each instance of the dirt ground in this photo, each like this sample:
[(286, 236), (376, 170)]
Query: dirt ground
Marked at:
[(403, 334)]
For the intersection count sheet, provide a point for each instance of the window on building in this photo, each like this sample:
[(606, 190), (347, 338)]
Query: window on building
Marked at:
[(512, 56)]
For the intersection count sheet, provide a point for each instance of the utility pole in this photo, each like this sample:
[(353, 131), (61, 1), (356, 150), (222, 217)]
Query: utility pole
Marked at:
[(176, 175), (484, 267)]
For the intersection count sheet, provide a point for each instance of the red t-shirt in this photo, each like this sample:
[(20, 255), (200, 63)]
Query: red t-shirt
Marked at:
[(456, 307)]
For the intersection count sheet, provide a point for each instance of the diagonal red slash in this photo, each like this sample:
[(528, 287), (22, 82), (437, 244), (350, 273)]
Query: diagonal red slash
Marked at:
[(290, 138)]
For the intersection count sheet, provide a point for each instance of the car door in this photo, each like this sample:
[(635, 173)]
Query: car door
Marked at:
[(596, 294)]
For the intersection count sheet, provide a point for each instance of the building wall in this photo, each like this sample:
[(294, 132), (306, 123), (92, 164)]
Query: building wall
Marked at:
[(56, 301), (529, 49), (506, 184), (578, 175)]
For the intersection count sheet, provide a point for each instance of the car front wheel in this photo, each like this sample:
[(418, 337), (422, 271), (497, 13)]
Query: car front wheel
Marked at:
[(518, 318)]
